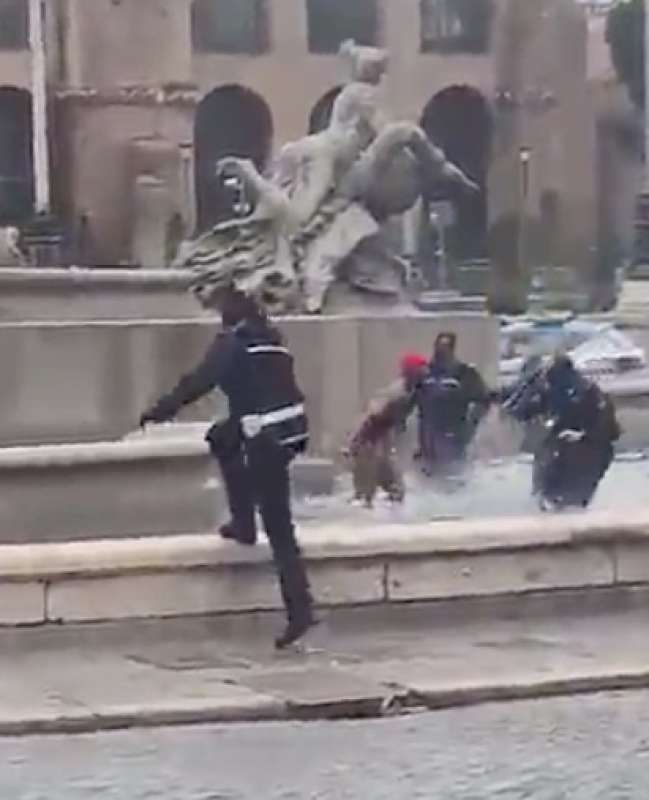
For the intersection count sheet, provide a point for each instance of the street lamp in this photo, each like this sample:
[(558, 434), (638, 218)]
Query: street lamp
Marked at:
[(42, 237), (525, 156), (39, 106)]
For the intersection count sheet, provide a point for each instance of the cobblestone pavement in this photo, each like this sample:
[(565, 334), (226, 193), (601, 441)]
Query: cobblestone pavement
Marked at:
[(594, 748)]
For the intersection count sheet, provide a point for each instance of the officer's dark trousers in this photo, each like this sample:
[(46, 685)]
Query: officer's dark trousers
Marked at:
[(256, 475), (571, 473)]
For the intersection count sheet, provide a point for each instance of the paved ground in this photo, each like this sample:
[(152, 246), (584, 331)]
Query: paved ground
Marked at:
[(223, 669), (594, 748)]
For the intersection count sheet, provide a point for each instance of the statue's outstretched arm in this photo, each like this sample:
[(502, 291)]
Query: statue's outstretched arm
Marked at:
[(272, 202)]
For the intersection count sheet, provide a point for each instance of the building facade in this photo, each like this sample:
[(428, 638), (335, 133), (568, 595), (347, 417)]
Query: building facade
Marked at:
[(146, 95)]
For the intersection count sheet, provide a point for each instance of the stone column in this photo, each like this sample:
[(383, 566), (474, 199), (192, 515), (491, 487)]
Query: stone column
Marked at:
[(576, 144), (129, 78), (513, 36), (543, 104)]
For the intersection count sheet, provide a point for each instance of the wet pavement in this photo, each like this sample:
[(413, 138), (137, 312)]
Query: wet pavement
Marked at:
[(489, 488), (594, 748)]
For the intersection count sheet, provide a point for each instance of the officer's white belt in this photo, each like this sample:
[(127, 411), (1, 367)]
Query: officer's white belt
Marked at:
[(252, 424)]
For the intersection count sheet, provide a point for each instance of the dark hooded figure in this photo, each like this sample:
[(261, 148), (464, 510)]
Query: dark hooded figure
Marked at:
[(581, 428), (521, 396), (451, 401), (266, 428)]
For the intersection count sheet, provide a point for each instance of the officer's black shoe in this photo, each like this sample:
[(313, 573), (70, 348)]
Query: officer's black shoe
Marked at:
[(231, 533), (295, 630)]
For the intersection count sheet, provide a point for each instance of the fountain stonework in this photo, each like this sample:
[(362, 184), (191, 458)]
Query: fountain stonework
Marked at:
[(315, 234), (72, 392), (310, 241), (312, 245)]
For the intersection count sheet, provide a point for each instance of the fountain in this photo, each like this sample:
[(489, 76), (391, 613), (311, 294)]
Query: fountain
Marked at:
[(84, 351)]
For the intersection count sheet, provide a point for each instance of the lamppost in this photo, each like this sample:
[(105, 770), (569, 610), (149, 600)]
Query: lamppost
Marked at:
[(440, 251), (39, 107), (41, 236), (525, 156)]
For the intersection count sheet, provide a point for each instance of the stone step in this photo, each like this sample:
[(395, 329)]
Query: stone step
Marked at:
[(95, 294), (161, 577), (142, 486)]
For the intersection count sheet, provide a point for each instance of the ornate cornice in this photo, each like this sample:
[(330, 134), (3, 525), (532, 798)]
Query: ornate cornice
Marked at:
[(132, 95)]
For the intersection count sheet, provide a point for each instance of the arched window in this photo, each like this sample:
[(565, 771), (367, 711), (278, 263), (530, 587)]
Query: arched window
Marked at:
[(230, 121), (332, 21), (14, 25), (230, 26), (458, 120)]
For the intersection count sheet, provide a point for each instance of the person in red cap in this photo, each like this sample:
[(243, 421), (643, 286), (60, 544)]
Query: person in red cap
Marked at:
[(372, 447)]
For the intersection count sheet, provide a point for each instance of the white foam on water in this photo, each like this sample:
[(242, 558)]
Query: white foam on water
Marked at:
[(487, 489)]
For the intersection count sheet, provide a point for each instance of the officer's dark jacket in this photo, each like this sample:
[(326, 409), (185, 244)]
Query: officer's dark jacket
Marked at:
[(578, 405), (252, 367), (447, 393)]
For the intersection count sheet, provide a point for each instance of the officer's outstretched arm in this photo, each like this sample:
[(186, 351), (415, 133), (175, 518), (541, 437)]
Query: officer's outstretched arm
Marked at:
[(191, 387)]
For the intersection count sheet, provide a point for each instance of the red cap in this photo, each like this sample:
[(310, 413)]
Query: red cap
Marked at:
[(410, 362)]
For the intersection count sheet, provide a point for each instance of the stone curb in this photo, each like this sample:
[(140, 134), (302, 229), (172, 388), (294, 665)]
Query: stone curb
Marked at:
[(336, 542), (394, 702), (144, 717), (555, 687), (197, 575)]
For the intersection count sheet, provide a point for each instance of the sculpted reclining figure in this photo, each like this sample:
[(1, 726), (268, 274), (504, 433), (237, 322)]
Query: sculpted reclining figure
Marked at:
[(318, 218)]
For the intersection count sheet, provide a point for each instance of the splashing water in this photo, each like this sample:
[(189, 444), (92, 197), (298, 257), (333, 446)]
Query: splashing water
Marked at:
[(486, 489)]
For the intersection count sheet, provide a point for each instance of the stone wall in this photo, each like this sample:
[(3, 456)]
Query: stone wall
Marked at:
[(113, 46), (67, 382), (517, 562), (15, 68), (78, 295), (108, 54)]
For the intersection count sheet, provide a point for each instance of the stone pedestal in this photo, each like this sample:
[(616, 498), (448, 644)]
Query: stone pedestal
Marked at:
[(152, 208)]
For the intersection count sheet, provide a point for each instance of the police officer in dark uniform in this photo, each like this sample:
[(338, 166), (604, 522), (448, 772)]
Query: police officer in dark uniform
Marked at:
[(581, 428), (451, 400), (266, 428)]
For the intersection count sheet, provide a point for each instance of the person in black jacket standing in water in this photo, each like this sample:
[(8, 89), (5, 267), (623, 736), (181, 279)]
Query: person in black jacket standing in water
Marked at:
[(266, 428)]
